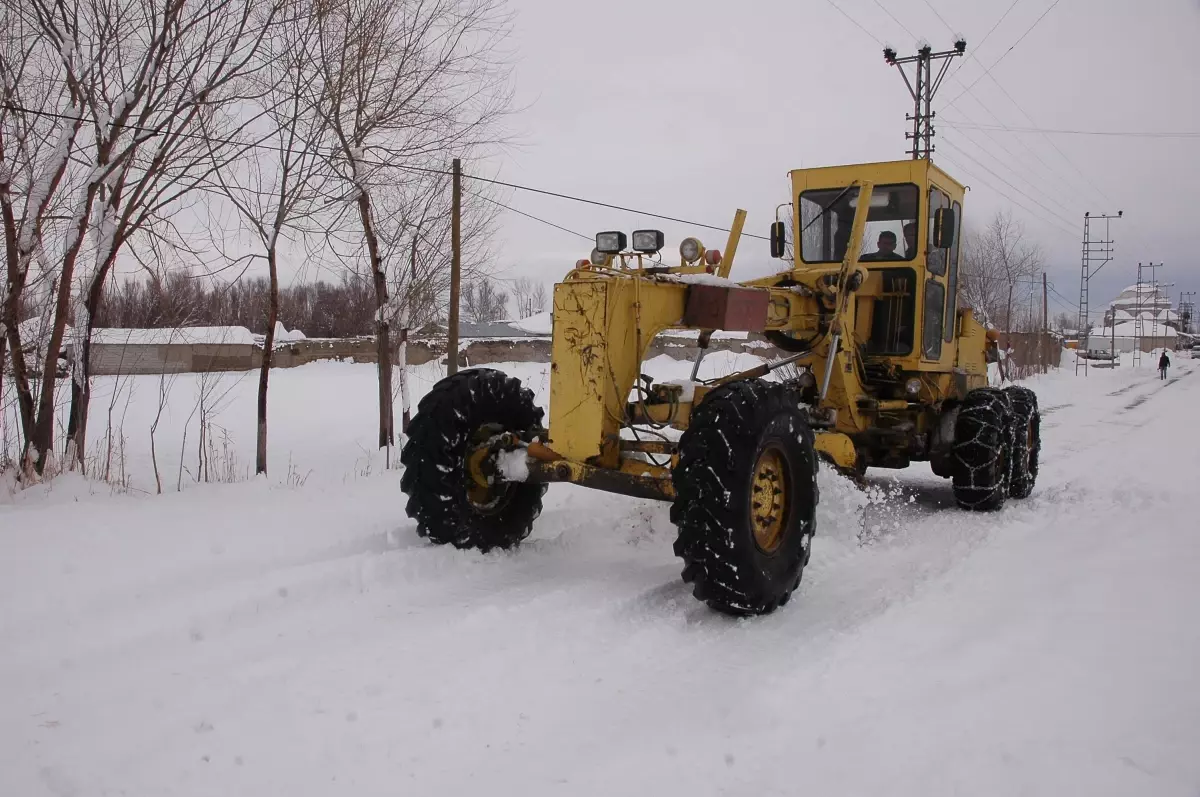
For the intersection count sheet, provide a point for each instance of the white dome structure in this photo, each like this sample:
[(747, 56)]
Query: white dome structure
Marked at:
[(1141, 297)]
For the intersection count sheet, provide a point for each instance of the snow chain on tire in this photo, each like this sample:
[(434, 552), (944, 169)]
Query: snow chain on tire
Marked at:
[(1026, 441), (982, 455), (737, 428), (435, 473)]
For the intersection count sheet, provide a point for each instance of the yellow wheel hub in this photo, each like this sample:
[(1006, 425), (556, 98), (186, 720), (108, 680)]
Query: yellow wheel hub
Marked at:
[(769, 496)]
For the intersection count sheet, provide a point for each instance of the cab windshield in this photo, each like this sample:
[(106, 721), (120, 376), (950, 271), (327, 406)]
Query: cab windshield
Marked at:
[(826, 215)]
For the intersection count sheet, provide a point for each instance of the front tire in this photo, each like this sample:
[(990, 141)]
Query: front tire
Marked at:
[(460, 412), (745, 497), (982, 450), (1026, 441)]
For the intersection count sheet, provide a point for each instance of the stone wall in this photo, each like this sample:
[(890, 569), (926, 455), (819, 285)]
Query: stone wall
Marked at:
[(113, 359)]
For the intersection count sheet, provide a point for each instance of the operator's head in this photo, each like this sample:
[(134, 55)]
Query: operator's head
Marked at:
[(910, 237), (887, 242)]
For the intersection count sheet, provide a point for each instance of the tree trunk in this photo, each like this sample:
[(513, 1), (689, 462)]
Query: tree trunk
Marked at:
[(41, 443), (264, 373), (21, 381), (81, 396), (81, 370), (382, 337), (12, 337), (402, 366)]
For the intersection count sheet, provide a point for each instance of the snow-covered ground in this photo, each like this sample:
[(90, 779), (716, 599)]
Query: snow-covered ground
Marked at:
[(273, 637)]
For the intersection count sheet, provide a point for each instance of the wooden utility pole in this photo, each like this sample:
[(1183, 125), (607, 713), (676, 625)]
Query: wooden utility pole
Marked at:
[(455, 269), (1045, 325)]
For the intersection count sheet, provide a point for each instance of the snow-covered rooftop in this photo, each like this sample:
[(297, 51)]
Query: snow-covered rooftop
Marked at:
[(182, 335)]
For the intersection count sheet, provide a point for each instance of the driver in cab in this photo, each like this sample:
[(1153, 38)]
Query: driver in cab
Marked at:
[(885, 248)]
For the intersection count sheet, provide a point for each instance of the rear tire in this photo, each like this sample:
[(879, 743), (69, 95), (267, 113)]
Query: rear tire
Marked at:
[(447, 424), (1026, 441), (982, 454), (745, 497)]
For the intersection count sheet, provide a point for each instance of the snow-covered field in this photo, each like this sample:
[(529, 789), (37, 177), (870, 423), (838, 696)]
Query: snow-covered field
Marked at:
[(293, 636)]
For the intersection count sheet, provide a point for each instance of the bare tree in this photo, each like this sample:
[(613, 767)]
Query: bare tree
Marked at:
[(39, 123), (139, 78), (522, 294), (404, 83), (1065, 321), (538, 297), (993, 262), (482, 301), (279, 189)]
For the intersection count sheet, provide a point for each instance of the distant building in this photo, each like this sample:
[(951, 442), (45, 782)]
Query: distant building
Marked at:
[(1139, 300)]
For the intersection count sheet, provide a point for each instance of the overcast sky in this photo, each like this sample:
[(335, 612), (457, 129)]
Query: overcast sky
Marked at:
[(695, 109)]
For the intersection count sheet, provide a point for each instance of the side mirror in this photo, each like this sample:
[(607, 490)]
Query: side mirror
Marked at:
[(943, 228), (778, 239)]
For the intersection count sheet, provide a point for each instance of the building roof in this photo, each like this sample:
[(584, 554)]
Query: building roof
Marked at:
[(179, 335)]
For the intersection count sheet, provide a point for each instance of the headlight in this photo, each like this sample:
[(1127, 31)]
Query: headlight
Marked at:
[(598, 258), (690, 250), (610, 243), (648, 241), (912, 387)]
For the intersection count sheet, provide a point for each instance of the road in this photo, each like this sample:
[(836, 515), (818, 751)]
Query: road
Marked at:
[(254, 639)]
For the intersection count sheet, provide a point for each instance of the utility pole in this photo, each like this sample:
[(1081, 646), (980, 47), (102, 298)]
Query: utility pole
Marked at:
[(922, 91), (1094, 252), (1137, 319), (455, 268), (1187, 307), (1160, 297), (1045, 326)]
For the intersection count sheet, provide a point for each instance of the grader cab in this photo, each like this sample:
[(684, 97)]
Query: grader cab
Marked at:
[(880, 367)]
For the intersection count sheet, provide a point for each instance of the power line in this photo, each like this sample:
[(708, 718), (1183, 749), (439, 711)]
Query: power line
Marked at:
[(893, 18), (1006, 182), (409, 168), (1060, 131), (992, 30), (1070, 189), (1050, 141), (972, 56), (854, 22), (1030, 183), (597, 203), (529, 215), (987, 71), (940, 18), (1017, 203)]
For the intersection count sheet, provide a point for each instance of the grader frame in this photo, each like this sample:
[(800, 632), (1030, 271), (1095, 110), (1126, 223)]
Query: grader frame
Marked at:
[(607, 314)]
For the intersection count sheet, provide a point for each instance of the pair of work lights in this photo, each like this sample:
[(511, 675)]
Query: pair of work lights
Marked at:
[(614, 242)]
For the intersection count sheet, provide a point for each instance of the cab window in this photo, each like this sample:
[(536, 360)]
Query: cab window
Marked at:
[(935, 302), (827, 214), (936, 259), (952, 276)]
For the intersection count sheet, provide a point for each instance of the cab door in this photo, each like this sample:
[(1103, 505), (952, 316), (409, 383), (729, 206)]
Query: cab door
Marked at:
[(934, 321)]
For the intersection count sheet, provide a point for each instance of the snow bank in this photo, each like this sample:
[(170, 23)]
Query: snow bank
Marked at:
[(537, 324), (282, 335)]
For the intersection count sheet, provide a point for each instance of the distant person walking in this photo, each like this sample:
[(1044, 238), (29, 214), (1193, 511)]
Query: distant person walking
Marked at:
[(1164, 363)]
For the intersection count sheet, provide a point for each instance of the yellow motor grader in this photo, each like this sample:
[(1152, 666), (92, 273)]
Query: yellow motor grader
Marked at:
[(883, 368)]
